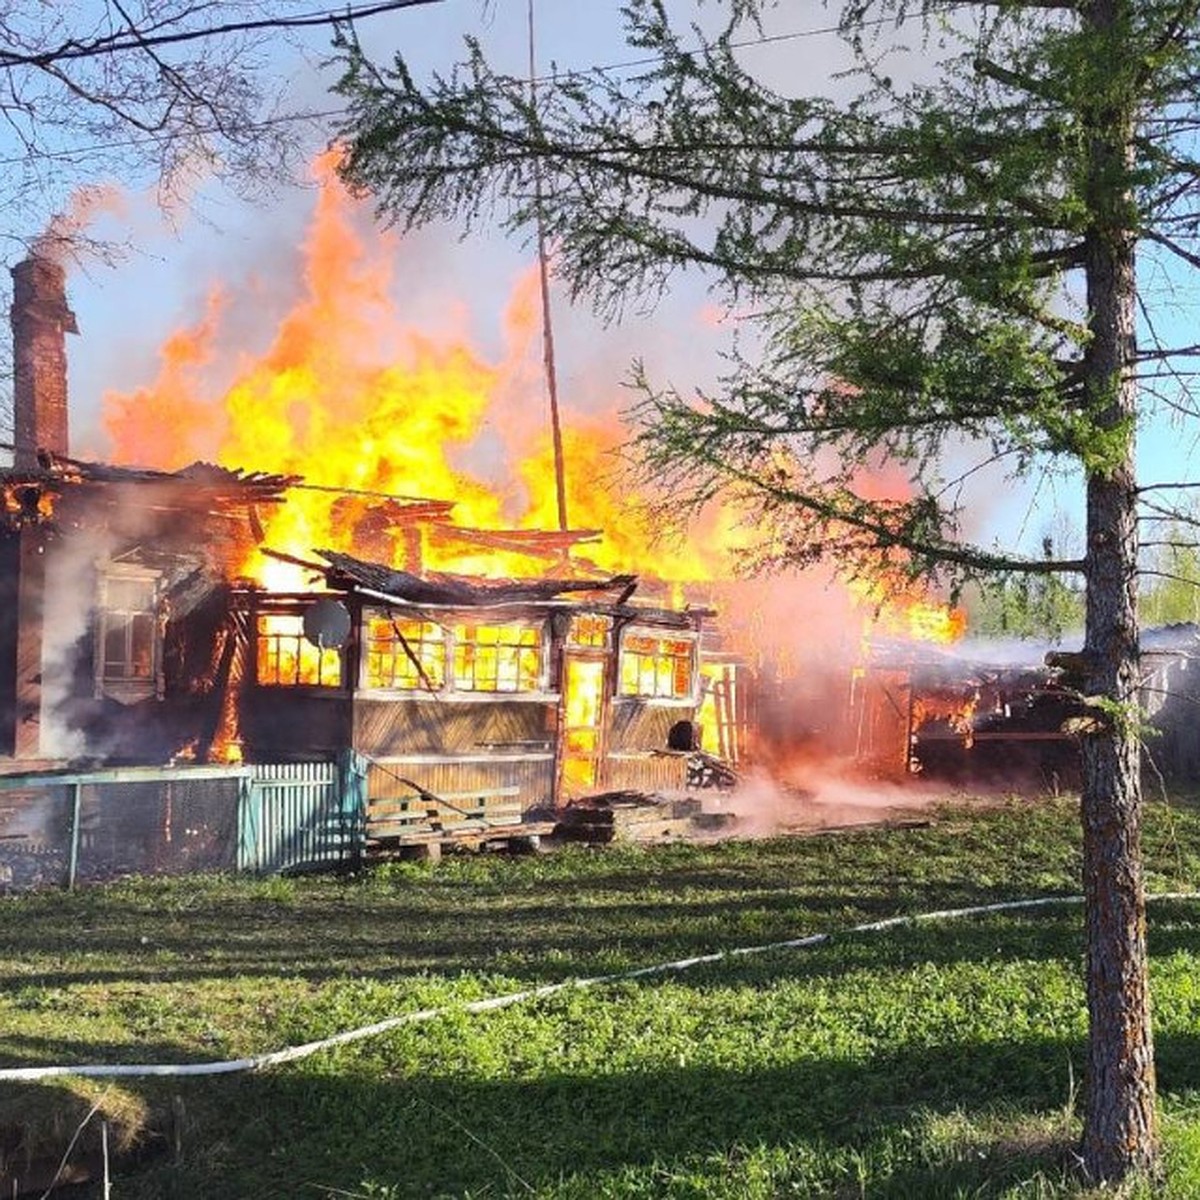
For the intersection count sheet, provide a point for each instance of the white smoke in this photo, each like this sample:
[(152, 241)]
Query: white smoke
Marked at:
[(765, 806), (69, 605)]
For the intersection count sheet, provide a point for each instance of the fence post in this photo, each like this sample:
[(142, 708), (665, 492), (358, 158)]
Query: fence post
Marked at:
[(352, 792), (248, 849), (76, 812)]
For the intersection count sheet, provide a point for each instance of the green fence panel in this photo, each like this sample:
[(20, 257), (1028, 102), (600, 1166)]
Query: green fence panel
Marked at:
[(302, 816)]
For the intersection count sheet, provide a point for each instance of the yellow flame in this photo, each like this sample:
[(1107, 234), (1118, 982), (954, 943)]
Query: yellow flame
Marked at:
[(895, 607), (353, 400)]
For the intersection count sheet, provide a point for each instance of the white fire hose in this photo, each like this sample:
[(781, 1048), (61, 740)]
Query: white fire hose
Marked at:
[(259, 1062)]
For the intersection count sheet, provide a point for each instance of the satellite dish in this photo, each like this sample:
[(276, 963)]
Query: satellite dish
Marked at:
[(327, 624)]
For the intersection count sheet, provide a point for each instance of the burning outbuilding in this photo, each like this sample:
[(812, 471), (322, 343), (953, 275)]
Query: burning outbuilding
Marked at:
[(1010, 712)]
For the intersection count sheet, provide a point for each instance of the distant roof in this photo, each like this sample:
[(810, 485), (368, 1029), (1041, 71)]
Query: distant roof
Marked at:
[(964, 655), (1168, 639), (1011, 657)]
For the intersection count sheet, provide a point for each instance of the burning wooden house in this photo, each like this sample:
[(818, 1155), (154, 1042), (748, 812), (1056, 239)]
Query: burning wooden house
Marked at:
[(114, 582), (525, 692), (130, 630)]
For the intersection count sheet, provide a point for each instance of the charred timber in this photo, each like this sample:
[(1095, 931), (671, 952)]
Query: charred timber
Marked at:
[(520, 541), (1074, 662), (201, 487), (348, 572)]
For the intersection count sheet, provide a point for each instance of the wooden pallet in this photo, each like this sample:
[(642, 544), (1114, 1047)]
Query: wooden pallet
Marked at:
[(421, 820)]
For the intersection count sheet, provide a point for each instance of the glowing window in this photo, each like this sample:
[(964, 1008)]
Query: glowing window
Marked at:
[(588, 629), (409, 655), (286, 658), (656, 667), (497, 658)]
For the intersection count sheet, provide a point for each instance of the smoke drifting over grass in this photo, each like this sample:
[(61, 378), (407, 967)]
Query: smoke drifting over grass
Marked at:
[(831, 796)]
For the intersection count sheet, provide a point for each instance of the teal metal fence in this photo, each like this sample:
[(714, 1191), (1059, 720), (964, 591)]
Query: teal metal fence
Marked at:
[(65, 827), (296, 816)]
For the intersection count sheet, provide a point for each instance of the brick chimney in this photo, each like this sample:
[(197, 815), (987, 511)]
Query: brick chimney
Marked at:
[(40, 321)]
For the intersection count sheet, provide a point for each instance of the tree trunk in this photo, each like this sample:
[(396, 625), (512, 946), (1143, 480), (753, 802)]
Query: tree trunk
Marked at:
[(1119, 1131), (1119, 1136)]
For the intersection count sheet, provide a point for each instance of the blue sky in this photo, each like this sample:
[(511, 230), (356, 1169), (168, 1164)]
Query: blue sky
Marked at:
[(126, 309)]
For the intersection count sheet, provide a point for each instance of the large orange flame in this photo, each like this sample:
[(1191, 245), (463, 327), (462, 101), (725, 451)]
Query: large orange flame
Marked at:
[(898, 608), (360, 404), (363, 405)]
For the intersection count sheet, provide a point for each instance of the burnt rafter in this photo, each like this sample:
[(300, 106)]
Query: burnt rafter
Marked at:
[(399, 511), (33, 494), (411, 512), (351, 574), (536, 542), (201, 484)]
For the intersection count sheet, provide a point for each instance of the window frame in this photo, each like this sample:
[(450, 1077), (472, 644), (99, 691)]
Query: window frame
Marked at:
[(480, 651), (304, 649), (659, 634), (127, 687), (418, 687), (455, 648)]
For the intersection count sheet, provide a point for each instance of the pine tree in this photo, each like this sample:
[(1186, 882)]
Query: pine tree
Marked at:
[(946, 259)]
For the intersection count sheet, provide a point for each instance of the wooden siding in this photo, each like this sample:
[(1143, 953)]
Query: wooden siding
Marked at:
[(406, 727), (294, 724), (648, 771), (643, 724), (10, 577), (532, 775), (22, 584)]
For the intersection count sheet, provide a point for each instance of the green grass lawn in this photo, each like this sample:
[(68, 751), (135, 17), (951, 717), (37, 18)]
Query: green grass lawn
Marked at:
[(935, 1060)]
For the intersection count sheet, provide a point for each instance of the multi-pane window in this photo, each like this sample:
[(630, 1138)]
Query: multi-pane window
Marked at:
[(497, 658), (287, 658), (469, 656), (656, 667), (128, 634), (589, 629), (405, 654)]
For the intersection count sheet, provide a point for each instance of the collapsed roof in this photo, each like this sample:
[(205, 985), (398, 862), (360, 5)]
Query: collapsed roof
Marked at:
[(29, 494), (354, 574)]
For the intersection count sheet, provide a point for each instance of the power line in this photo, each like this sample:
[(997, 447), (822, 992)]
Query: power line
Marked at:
[(133, 38), (67, 155)]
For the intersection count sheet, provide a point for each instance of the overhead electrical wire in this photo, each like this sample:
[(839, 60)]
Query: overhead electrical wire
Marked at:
[(557, 77), (133, 38)]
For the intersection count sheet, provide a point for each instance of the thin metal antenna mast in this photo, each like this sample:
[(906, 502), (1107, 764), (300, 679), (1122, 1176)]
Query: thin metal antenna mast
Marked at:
[(560, 482)]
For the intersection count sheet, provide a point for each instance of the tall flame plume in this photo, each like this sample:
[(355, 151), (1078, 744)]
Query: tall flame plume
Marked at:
[(364, 405)]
